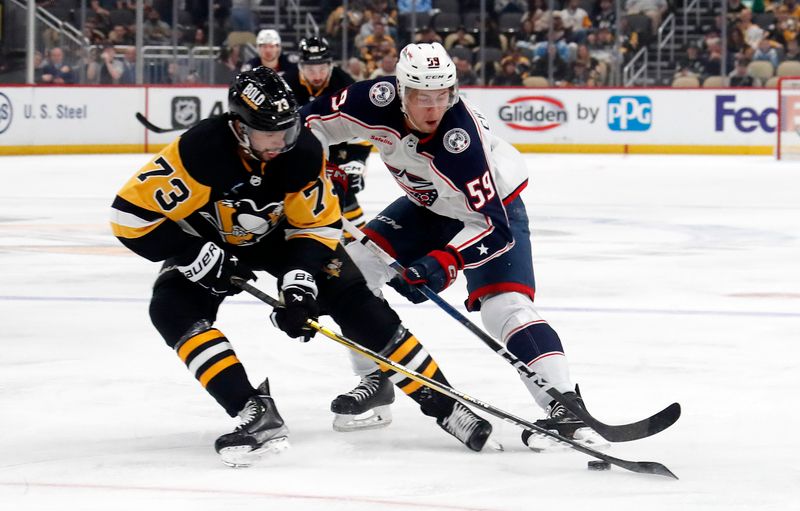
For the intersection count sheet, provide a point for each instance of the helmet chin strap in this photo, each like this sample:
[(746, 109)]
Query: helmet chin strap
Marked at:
[(244, 140)]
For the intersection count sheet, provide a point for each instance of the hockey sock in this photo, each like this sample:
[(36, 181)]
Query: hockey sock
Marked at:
[(210, 358), (406, 350), (538, 346)]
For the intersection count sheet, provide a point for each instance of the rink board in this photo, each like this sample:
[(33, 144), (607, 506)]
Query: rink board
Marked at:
[(78, 119)]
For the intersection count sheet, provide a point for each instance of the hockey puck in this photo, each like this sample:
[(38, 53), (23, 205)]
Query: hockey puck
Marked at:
[(599, 465)]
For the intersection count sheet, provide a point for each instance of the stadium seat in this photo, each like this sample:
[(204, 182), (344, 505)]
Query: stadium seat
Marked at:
[(462, 53), (535, 82), (715, 82), (760, 69), (447, 6), (788, 68), (238, 38), (685, 82), (772, 83), (121, 17), (510, 22), (446, 22), (472, 21)]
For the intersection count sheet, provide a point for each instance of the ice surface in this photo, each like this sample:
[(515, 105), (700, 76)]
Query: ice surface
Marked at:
[(667, 278)]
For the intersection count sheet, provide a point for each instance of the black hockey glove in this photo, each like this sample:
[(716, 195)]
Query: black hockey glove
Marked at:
[(212, 268), (355, 175), (437, 270), (299, 297)]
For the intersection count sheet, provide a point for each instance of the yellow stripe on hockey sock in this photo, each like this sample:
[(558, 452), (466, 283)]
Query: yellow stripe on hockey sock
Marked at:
[(404, 349), (189, 346), (217, 368), (429, 372), (350, 215)]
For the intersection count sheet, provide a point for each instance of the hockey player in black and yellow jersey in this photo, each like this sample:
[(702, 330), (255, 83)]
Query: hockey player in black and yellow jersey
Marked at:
[(248, 191), (315, 78)]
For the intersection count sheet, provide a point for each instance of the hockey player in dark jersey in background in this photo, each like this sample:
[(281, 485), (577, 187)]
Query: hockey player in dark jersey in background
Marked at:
[(461, 211), (244, 191), (316, 77), (270, 54)]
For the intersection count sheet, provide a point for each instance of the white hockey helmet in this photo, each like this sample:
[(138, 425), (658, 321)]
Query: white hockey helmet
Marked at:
[(426, 66), (268, 36)]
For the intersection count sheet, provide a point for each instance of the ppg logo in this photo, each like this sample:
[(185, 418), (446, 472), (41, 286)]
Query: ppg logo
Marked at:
[(630, 113)]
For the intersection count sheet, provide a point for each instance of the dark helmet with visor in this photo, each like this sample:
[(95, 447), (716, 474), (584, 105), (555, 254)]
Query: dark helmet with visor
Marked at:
[(314, 50), (263, 102)]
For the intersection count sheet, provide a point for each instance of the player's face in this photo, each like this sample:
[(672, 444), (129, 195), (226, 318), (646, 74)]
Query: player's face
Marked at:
[(316, 74), (425, 108), (269, 144), (269, 52)]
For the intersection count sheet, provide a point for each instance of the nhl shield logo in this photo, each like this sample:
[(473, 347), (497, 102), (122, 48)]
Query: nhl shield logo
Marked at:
[(185, 111), (381, 94), (456, 140)]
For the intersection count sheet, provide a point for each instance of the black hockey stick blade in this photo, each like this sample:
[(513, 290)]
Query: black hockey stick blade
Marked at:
[(623, 432), (152, 127), (613, 433), (642, 467)]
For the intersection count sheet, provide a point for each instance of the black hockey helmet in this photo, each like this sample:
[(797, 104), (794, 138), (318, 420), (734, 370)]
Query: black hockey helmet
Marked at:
[(261, 100), (314, 50)]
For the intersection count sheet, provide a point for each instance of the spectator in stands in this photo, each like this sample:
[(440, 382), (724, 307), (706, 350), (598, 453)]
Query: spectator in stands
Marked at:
[(596, 69), (368, 28), (560, 68), (581, 75), (227, 65), (386, 11), (356, 69), (354, 18), (269, 53), (737, 47), (427, 35), (691, 64), (376, 45), (129, 66), (792, 51), (786, 26), (540, 49), (753, 34), (739, 76), (243, 19), (386, 67), (605, 15), (576, 20), (460, 38), (104, 69), (120, 36), (793, 8), (56, 71), (155, 31), (734, 8), (504, 6), (92, 32), (601, 45), (538, 16), (767, 52), (653, 9), (713, 58), (465, 73), (507, 76)]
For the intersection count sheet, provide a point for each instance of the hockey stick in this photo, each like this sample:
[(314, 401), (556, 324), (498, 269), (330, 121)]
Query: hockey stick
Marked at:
[(155, 129), (643, 467), (613, 433)]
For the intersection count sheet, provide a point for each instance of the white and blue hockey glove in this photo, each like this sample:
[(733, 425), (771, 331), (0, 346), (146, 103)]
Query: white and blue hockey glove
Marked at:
[(299, 297), (211, 267)]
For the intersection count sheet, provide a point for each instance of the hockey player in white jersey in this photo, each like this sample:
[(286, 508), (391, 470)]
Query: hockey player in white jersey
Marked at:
[(461, 211)]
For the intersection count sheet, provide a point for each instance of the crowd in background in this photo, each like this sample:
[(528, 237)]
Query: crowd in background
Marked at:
[(571, 45)]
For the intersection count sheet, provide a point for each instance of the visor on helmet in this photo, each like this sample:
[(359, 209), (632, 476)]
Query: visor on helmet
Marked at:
[(262, 142)]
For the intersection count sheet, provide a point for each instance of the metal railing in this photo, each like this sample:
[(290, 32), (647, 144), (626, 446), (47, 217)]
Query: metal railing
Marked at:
[(688, 7), (666, 35), (635, 69)]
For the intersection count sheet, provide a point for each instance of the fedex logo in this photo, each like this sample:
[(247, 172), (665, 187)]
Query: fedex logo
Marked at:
[(744, 119)]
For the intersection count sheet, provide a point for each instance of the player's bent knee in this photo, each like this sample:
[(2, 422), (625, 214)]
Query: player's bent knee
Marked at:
[(505, 313)]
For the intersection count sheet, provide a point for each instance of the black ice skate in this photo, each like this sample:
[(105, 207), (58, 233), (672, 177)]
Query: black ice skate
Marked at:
[(262, 431), (472, 430), (366, 406), (565, 423)]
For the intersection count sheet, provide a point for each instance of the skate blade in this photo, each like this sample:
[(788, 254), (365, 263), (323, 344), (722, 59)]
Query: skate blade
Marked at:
[(584, 436), (378, 417), (244, 456)]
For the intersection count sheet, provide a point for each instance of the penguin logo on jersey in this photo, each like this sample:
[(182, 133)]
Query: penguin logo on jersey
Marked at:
[(242, 222), (333, 267), (456, 140), (381, 94)]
